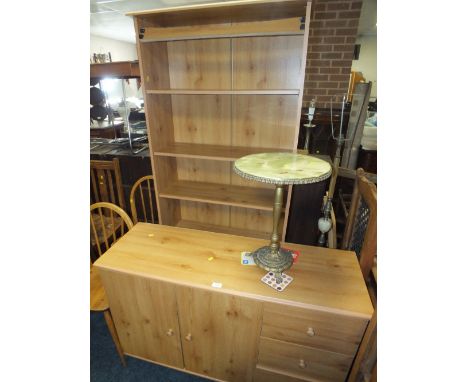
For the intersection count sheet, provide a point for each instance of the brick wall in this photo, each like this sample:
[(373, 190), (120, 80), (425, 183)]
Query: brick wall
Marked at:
[(333, 30)]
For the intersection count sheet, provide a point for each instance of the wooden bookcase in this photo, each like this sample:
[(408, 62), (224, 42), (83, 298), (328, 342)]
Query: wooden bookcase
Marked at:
[(221, 81)]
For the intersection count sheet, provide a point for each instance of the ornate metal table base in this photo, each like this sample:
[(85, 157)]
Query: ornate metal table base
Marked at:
[(276, 262)]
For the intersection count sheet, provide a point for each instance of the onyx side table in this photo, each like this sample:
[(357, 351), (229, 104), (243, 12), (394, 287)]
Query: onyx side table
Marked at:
[(280, 169)]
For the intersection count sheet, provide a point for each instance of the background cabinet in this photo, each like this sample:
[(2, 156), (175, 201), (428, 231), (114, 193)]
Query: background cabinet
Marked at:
[(221, 82)]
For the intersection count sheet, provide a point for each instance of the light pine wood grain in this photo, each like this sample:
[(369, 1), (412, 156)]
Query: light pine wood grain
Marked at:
[(223, 229), (202, 170), (200, 64), (203, 213), (264, 121), (145, 313), (220, 93), (219, 333), (224, 92), (202, 119), (291, 26), (166, 171), (255, 220), (264, 374), (336, 333), (98, 298), (222, 12), (228, 195), (212, 152), (303, 361), (267, 62), (324, 279)]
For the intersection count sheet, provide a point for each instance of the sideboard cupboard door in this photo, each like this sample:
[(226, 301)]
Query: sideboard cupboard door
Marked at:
[(145, 316), (219, 333)]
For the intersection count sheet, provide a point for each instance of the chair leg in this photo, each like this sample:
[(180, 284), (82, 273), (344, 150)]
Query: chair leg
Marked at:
[(115, 338)]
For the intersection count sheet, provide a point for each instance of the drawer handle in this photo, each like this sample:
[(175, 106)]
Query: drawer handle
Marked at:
[(302, 364), (188, 337), (170, 332), (310, 332)]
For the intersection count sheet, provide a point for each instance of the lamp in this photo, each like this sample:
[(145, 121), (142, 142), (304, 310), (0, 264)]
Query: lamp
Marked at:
[(279, 169)]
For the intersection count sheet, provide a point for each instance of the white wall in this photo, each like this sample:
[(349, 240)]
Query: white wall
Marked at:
[(120, 50), (367, 63)]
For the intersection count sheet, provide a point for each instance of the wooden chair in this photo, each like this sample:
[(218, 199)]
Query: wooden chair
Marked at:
[(360, 233), (106, 182), (142, 200), (106, 232)]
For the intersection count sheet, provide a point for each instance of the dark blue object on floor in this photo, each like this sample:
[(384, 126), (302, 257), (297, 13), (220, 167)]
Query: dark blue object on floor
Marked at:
[(106, 366)]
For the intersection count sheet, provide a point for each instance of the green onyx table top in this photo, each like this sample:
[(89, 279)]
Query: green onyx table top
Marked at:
[(282, 168)]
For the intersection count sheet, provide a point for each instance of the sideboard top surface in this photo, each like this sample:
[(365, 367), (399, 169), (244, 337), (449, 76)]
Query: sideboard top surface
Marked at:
[(324, 279)]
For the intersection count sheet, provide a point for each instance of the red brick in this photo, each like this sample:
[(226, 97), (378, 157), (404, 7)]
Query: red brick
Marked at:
[(315, 40), (312, 70), (356, 5), (330, 70), (350, 14), (343, 48), (328, 85), (311, 85), (331, 56), (322, 48), (336, 23), (339, 78), (317, 77), (348, 56), (346, 70), (333, 40), (318, 63), (325, 15), (313, 92), (351, 40), (313, 55), (340, 63), (337, 93), (323, 32), (317, 24), (346, 32), (353, 23), (338, 6), (320, 7)]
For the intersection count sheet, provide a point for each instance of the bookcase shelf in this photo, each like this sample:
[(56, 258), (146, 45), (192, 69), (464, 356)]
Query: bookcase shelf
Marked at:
[(225, 194), (212, 152), (221, 82)]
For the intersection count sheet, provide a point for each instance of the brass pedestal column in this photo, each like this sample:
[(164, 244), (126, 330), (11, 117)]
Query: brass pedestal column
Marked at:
[(273, 258)]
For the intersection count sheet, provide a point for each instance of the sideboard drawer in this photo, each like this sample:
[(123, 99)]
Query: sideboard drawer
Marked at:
[(323, 330), (268, 375), (303, 361)]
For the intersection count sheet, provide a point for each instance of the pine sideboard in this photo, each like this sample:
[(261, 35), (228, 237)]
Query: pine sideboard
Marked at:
[(181, 298)]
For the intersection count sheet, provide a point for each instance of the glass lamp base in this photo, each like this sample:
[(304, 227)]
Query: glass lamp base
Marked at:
[(272, 262)]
